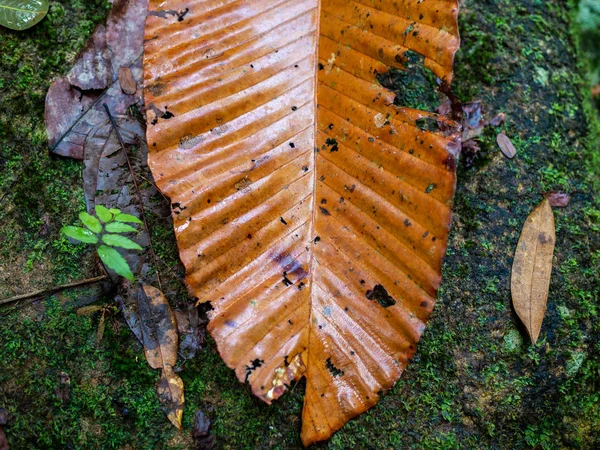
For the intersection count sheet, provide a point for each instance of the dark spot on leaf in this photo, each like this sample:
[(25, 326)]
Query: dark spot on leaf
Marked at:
[(332, 369), (330, 142), (254, 365), (379, 294), (324, 211), (282, 220)]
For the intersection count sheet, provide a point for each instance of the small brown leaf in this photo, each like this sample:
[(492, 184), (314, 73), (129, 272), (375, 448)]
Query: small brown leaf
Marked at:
[(203, 440), (506, 145), (87, 310), (126, 80), (532, 268), (558, 199), (3, 441), (101, 326), (171, 395), (190, 335), (63, 391), (159, 328)]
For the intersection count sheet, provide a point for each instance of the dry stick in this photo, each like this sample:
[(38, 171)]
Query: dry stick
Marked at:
[(137, 189), (44, 292)]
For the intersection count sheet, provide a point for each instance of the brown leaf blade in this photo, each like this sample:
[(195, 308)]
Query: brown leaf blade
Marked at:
[(159, 328), (506, 145), (170, 392), (532, 267), (310, 211)]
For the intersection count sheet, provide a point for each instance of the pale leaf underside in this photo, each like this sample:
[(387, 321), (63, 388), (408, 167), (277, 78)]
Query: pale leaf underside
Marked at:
[(309, 210)]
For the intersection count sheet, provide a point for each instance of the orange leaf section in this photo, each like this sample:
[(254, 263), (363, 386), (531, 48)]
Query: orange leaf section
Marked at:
[(309, 210)]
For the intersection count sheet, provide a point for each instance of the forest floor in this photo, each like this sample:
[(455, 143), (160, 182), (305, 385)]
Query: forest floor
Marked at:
[(475, 382)]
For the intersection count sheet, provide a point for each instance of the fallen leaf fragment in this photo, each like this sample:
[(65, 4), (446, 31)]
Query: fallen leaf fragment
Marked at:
[(506, 146), (3, 416), (74, 102), (3, 441), (63, 391), (126, 80), (171, 395), (532, 267), (558, 199), (159, 329), (203, 440), (191, 336)]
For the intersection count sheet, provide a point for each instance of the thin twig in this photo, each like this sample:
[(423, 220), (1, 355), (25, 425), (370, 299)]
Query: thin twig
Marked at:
[(137, 190), (44, 292)]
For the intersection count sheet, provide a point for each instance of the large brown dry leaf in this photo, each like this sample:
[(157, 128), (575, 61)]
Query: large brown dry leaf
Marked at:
[(74, 102), (309, 210), (532, 268)]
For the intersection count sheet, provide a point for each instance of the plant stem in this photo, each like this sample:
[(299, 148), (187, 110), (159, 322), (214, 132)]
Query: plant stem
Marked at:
[(137, 191), (44, 292)]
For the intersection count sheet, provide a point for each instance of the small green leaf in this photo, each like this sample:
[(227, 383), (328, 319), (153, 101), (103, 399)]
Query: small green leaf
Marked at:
[(119, 227), (127, 218), (116, 240), (80, 234), (22, 14), (115, 211), (91, 222), (104, 214), (115, 261)]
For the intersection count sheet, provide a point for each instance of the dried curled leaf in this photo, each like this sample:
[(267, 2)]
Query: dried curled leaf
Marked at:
[(171, 395), (310, 210), (532, 268)]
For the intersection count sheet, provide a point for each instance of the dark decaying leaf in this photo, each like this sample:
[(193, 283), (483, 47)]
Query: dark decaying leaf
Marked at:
[(158, 326), (203, 440), (558, 199), (74, 102), (132, 316), (506, 146), (191, 335), (3, 416), (63, 390), (299, 186), (3, 441), (532, 267), (170, 392)]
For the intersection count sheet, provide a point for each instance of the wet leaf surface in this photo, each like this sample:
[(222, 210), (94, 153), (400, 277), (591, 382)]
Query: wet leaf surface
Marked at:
[(532, 267), (299, 184), (22, 14)]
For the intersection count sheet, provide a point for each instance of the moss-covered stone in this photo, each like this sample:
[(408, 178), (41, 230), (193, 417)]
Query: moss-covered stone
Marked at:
[(476, 381)]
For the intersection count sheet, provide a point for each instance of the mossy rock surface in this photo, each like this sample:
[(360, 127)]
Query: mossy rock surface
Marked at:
[(476, 380)]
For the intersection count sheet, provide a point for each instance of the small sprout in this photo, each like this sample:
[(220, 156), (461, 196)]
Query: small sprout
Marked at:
[(105, 228)]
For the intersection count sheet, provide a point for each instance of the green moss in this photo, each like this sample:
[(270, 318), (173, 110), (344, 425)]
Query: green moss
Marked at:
[(475, 382)]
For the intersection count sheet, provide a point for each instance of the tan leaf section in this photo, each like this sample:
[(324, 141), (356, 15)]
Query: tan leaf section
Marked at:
[(532, 268), (309, 210), (171, 395)]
